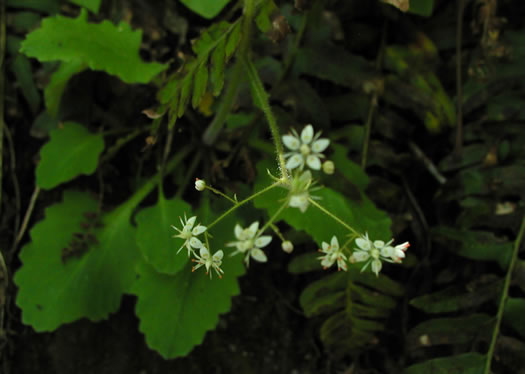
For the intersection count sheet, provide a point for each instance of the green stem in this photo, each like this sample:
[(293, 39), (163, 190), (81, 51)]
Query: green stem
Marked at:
[(504, 296), (215, 191), (262, 98), (368, 128), (241, 203), (274, 217), (189, 174), (333, 216)]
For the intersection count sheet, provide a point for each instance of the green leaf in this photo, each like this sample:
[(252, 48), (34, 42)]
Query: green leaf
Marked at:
[(350, 170), (459, 297), (467, 363), (72, 151), (184, 94), (55, 288), (103, 46), (58, 82), (455, 330), (263, 19), (421, 7), (155, 235), (234, 38), (200, 84), (218, 61), (206, 8), (476, 245), (46, 6), (513, 314), (92, 5), (176, 311)]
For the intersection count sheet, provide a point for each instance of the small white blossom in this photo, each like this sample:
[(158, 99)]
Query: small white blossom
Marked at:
[(208, 261), (333, 253), (372, 253), (249, 243), (287, 246), (189, 234), (306, 148), (328, 167), (200, 185)]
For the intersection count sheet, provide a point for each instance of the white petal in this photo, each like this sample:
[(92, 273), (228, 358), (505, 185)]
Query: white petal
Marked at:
[(263, 241), (360, 256), (379, 244), (313, 162), (376, 266), (198, 230), (326, 261), (326, 247), (253, 229), (294, 161), (258, 255), (217, 257), (334, 243), (362, 243), (191, 222), (238, 231), (320, 145), (387, 251), (307, 134), (291, 142), (204, 253), (196, 243), (341, 264)]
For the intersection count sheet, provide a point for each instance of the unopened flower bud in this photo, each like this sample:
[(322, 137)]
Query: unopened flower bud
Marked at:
[(287, 246), (200, 185), (328, 167)]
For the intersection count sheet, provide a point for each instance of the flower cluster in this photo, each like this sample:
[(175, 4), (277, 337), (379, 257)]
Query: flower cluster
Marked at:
[(250, 243), (372, 252), (206, 260), (367, 251), (300, 187)]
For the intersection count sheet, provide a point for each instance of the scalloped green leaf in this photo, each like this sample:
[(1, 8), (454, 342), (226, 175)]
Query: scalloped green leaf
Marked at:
[(54, 290), (102, 46), (72, 151), (233, 40), (206, 8), (175, 311), (155, 235), (58, 82)]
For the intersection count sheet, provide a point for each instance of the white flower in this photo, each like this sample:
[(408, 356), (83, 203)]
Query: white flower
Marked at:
[(208, 261), (305, 149), (200, 185), (189, 234), (287, 246), (333, 253), (248, 242), (300, 187), (374, 252)]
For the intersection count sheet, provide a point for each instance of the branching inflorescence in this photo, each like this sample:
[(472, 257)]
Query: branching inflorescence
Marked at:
[(306, 152)]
